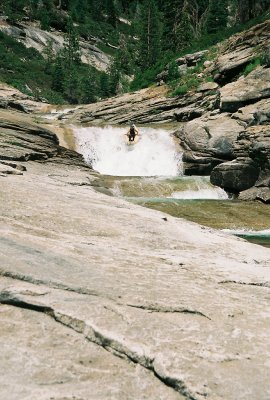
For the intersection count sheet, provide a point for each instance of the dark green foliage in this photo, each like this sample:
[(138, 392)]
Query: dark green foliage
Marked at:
[(155, 34), (150, 31), (252, 65), (217, 15)]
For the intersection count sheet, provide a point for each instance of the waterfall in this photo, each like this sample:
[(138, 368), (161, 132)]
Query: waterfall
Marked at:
[(105, 149)]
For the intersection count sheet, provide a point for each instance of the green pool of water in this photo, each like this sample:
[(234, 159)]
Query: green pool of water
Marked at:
[(159, 193)]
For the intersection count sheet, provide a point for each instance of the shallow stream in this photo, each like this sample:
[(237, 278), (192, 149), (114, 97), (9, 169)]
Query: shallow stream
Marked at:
[(150, 173)]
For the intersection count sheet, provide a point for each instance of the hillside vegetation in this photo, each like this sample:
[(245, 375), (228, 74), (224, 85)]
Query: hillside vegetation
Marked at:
[(142, 37)]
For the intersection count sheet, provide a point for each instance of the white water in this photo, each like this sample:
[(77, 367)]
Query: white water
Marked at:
[(104, 148)]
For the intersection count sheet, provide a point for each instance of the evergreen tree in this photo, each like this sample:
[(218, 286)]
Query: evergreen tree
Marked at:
[(58, 75), (49, 56), (217, 15), (150, 34), (89, 89), (72, 84), (172, 11), (111, 13), (184, 30), (104, 85), (71, 53)]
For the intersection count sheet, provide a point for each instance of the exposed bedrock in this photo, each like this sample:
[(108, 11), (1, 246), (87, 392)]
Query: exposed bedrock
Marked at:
[(104, 299), (239, 50), (246, 90), (23, 140)]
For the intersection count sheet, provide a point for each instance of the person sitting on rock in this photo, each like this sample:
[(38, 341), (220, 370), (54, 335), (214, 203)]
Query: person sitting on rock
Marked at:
[(133, 131)]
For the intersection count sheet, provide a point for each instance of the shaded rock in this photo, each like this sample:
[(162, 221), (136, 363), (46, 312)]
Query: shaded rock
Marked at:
[(246, 90), (235, 176)]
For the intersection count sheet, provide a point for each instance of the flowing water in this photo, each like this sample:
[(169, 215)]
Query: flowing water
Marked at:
[(150, 173)]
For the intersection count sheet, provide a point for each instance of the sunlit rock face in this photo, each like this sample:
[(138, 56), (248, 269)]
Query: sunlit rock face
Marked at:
[(32, 36)]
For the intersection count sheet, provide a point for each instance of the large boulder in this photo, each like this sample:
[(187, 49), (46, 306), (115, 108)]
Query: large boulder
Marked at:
[(235, 176), (208, 141)]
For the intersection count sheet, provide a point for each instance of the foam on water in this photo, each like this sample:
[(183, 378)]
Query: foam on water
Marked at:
[(104, 148)]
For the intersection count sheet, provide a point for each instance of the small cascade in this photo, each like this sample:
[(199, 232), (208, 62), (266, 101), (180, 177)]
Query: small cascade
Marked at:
[(200, 188), (105, 149)]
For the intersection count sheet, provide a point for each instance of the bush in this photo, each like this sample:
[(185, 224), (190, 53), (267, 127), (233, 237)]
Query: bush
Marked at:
[(252, 65)]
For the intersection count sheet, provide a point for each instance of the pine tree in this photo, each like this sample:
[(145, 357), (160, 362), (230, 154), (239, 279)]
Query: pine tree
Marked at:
[(49, 56), (71, 52), (58, 75), (217, 16), (150, 34), (88, 88), (71, 84), (172, 11), (104, 85), (111, 13)]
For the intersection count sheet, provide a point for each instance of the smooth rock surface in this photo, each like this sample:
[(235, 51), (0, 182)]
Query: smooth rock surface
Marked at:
[(182, 310)]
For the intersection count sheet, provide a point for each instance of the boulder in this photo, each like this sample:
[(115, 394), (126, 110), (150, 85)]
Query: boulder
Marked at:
[(235, 176), (208, 141)]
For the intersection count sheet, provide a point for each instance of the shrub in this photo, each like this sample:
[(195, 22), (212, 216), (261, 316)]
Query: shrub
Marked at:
[(252, 65)]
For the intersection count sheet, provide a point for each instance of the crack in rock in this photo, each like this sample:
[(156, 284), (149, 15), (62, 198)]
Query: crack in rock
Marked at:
[(50, 284), (260, 284), (103, 339), (164, 309)]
